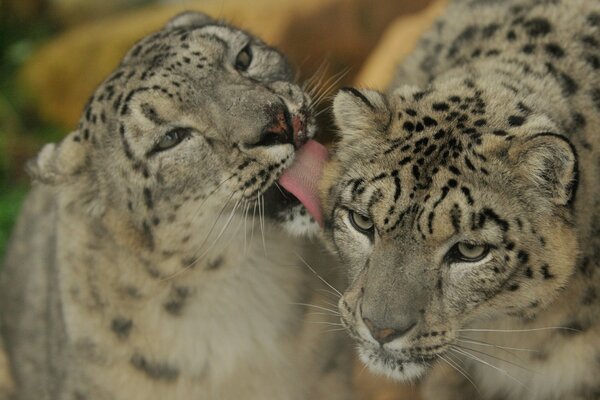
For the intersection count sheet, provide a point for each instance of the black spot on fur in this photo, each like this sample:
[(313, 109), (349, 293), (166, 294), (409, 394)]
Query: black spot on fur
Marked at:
[(536, 27), (516, 120), (529, 272), (528, 48), (215, 263), (523, 256), (595, 96), (154, 370), (489, 30), (546, 272), (175, 304), (594, 19), (428, 121), (513, 287), (554, 50), (593, 61), (568, 85), (121, 327), (148, 198), (467, 194), (440, 107), (489, 214)]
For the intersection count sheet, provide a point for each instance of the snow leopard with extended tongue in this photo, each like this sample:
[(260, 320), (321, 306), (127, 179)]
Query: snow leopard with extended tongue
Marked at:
[(465, 205), (139, 267)]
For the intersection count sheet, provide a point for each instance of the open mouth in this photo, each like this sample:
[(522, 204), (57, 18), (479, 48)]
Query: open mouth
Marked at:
[(299, 183)]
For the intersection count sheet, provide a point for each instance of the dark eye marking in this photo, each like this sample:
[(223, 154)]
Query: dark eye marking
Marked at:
[(150, 113)]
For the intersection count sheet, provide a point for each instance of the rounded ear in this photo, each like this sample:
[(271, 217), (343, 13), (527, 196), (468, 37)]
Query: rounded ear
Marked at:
[(190, 18), (549, 161), (361, 111), (56, 163)]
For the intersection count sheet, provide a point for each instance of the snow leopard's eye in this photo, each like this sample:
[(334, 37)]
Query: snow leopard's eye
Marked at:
[(468, 252), (361, 223), (172, 139), (244, 59)]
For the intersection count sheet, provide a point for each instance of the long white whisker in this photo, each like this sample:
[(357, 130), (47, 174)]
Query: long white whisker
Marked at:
[(261, 215), (315, 306), (493, 357), (335, 330), (331, 83), (253, 220), (317, 275), (246, 209), (455, 365), (480, 343), (519, 330), (324, 323), (475, 358)]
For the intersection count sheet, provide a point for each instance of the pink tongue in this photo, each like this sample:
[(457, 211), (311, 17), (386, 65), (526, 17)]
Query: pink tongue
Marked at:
[(302, 178)]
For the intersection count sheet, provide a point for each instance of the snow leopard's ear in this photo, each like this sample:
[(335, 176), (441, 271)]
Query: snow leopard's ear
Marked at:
[(549, 161), (361, 112), (191, 19), (57, 163)]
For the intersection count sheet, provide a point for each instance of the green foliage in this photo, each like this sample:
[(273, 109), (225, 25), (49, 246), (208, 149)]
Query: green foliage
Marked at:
[(10, 203), (21, 132)]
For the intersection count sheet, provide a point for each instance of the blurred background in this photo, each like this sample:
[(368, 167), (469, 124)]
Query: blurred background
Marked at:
[(53, 53)]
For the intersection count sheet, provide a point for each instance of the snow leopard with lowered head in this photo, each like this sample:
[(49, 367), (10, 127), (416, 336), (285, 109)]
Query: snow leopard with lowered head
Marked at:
[(139, 267), (465, 204)]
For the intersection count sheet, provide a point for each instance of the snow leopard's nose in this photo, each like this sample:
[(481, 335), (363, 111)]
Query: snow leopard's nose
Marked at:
[(386, 335), (279, 130)]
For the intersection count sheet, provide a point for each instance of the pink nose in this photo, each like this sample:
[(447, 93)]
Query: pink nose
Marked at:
[(384, 335)]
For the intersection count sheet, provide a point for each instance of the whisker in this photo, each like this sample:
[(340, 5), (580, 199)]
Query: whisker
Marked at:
[(261, 215), (493, 357), (520, 330), (246, 209), (329, 292), (317, 275), (335, 330), (324, 323), (458, 368), (331, 83), (475, 358), (481, 343), (210, 247), (318, 307), (318, 313), (253, 220)]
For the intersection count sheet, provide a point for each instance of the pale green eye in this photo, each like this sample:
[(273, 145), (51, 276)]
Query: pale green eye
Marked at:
[(243, 59), (471, 252), (172, 138), (361, 223)]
